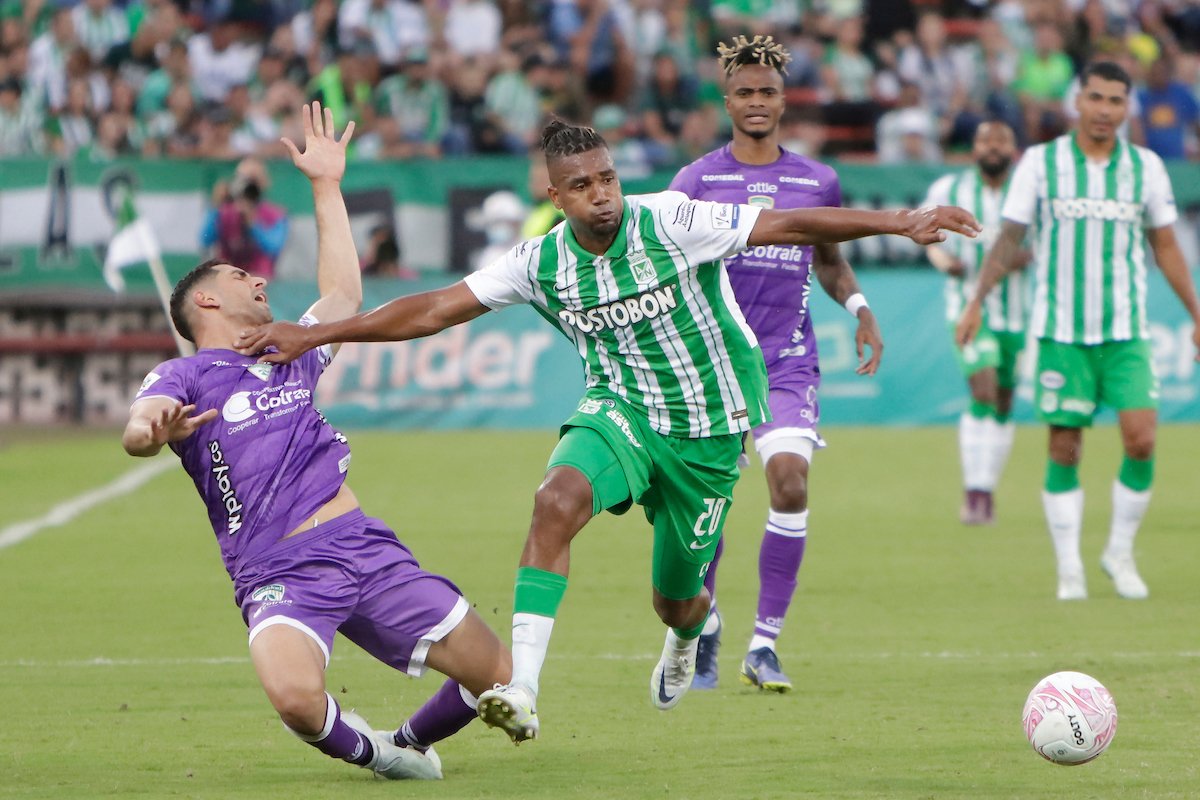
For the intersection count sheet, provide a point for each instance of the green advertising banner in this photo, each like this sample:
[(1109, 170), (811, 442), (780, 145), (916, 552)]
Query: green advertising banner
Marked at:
[(511, 369)]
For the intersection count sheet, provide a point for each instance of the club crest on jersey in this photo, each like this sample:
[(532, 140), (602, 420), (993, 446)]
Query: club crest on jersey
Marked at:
[(151, 379), (271, 593), (590, 405), (761, 201), (642, 267), (260, 371)]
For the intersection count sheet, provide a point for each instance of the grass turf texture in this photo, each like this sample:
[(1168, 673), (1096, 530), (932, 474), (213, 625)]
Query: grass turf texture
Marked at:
[(912, 641)]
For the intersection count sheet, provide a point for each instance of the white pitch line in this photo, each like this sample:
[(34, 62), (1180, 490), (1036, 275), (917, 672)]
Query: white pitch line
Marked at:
[(68, 510)]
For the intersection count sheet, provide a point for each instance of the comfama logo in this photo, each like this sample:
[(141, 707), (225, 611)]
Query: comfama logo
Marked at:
[(622, 313), (1088, 208)]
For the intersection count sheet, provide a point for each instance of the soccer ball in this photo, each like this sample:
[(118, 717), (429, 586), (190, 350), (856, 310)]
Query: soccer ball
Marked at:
[(1069, 718)]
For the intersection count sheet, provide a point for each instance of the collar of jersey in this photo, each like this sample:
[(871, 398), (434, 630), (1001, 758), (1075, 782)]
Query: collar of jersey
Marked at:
[(615, 250), (1081, 157)]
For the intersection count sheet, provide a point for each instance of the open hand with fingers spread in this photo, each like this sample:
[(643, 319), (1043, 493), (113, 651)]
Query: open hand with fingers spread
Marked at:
[(324, 157), (289, 340), (928, 225), (173, 423)]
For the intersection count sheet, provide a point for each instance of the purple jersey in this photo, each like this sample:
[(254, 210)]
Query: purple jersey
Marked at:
[(771, 283), (269, 460)]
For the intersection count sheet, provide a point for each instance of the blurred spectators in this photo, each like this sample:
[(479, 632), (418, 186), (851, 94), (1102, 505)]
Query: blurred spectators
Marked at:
[(426, 78), (242, 227), (1170, 114), (500, 218)]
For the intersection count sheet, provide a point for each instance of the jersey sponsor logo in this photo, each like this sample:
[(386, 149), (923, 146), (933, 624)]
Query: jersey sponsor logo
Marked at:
[(643, 268), (220, 474), (260, 371), (151, 379), (1075, 405), (271, 593), (1090, 208), (684, 214), (793, 254), (623, 424), (622, 313), (801, 181), (1052, 380), (243, 405), (590, 405), (762, 187), (724, 216), (737, 176), (344, 463), (760, 201)]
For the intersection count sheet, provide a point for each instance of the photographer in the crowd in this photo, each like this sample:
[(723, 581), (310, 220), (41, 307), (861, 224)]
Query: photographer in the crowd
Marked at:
[(242, 228)]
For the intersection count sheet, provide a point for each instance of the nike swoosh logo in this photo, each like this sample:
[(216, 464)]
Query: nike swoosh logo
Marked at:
[(699, 545), (663, 697)]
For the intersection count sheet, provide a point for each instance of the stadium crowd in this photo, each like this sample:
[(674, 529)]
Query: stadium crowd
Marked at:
[(887, 79)]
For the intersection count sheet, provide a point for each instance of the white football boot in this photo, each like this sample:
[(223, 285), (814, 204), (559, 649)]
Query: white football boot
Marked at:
[(1125, 576), (392, 761), (511, 708), (673, 674)]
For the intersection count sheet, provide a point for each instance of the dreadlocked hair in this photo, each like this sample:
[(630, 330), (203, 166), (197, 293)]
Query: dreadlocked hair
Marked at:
[(560, 139), (761, 49)]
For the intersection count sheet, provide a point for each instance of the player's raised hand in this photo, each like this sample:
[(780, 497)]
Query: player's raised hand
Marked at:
[(324, 157), (868, 335), (174, 424), (928, 225), (968, 324), (289, 340)]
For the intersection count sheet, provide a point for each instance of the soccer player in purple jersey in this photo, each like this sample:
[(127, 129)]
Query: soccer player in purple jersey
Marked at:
[(304, 559), (772, 286)]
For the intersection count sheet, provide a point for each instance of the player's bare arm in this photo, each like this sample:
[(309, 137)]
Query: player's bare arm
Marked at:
[(155, 421), (1007, 254), (944, 261), (804, 226), (839, 282), (404, 318), (323, 162), (1174, 268)]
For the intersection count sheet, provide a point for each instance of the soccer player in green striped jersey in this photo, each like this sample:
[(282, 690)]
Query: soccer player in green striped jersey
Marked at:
[(674, 378), (1091, 197), (985, 430)]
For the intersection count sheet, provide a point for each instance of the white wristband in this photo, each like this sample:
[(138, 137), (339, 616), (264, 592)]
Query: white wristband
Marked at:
[(854, 302)]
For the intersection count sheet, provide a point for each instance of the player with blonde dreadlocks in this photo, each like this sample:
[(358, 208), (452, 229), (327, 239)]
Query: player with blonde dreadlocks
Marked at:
[(772, 287)]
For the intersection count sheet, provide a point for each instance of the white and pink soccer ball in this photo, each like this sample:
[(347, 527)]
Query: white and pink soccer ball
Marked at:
[(1069, 718)]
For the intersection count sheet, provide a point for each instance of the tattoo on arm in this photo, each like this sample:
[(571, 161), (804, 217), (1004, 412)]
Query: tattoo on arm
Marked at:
[(1002, 258)]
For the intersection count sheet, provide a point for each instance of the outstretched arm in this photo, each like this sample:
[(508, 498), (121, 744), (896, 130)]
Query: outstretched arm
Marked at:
[(827, 225), (404, 318), (155, 421), (839, 282), (1006, 255), (323, 162), (1174, 268)]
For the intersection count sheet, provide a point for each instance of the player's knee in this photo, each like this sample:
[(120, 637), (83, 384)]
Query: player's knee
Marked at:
[(1139, 444), (790, 495), (676, 613), (565, 503), (299, 703)]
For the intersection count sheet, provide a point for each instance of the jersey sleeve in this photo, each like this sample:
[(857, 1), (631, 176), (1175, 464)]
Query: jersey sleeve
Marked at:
[(1020, 203), (833, 191), (316, 360), (171, 379), (939, 192), (507, 280), (705, 231), (1160, 198)]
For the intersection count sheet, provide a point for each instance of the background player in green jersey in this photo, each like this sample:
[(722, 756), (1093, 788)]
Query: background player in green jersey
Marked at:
[(674, 378), (985, 430), (1092, 197)]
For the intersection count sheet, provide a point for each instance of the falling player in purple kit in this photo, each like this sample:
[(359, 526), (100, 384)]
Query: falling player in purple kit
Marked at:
[(304, 559), (772, 285)]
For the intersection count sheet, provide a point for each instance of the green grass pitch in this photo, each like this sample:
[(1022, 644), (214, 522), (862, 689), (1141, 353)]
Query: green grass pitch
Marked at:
[(912, 640)]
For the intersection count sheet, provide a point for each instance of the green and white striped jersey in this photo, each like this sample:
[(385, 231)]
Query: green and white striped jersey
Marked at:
[(653, 318), (1004, 309), (1088, 219)]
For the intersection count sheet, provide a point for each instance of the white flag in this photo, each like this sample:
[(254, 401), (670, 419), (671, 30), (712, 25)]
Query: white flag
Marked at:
[(133, 243)]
